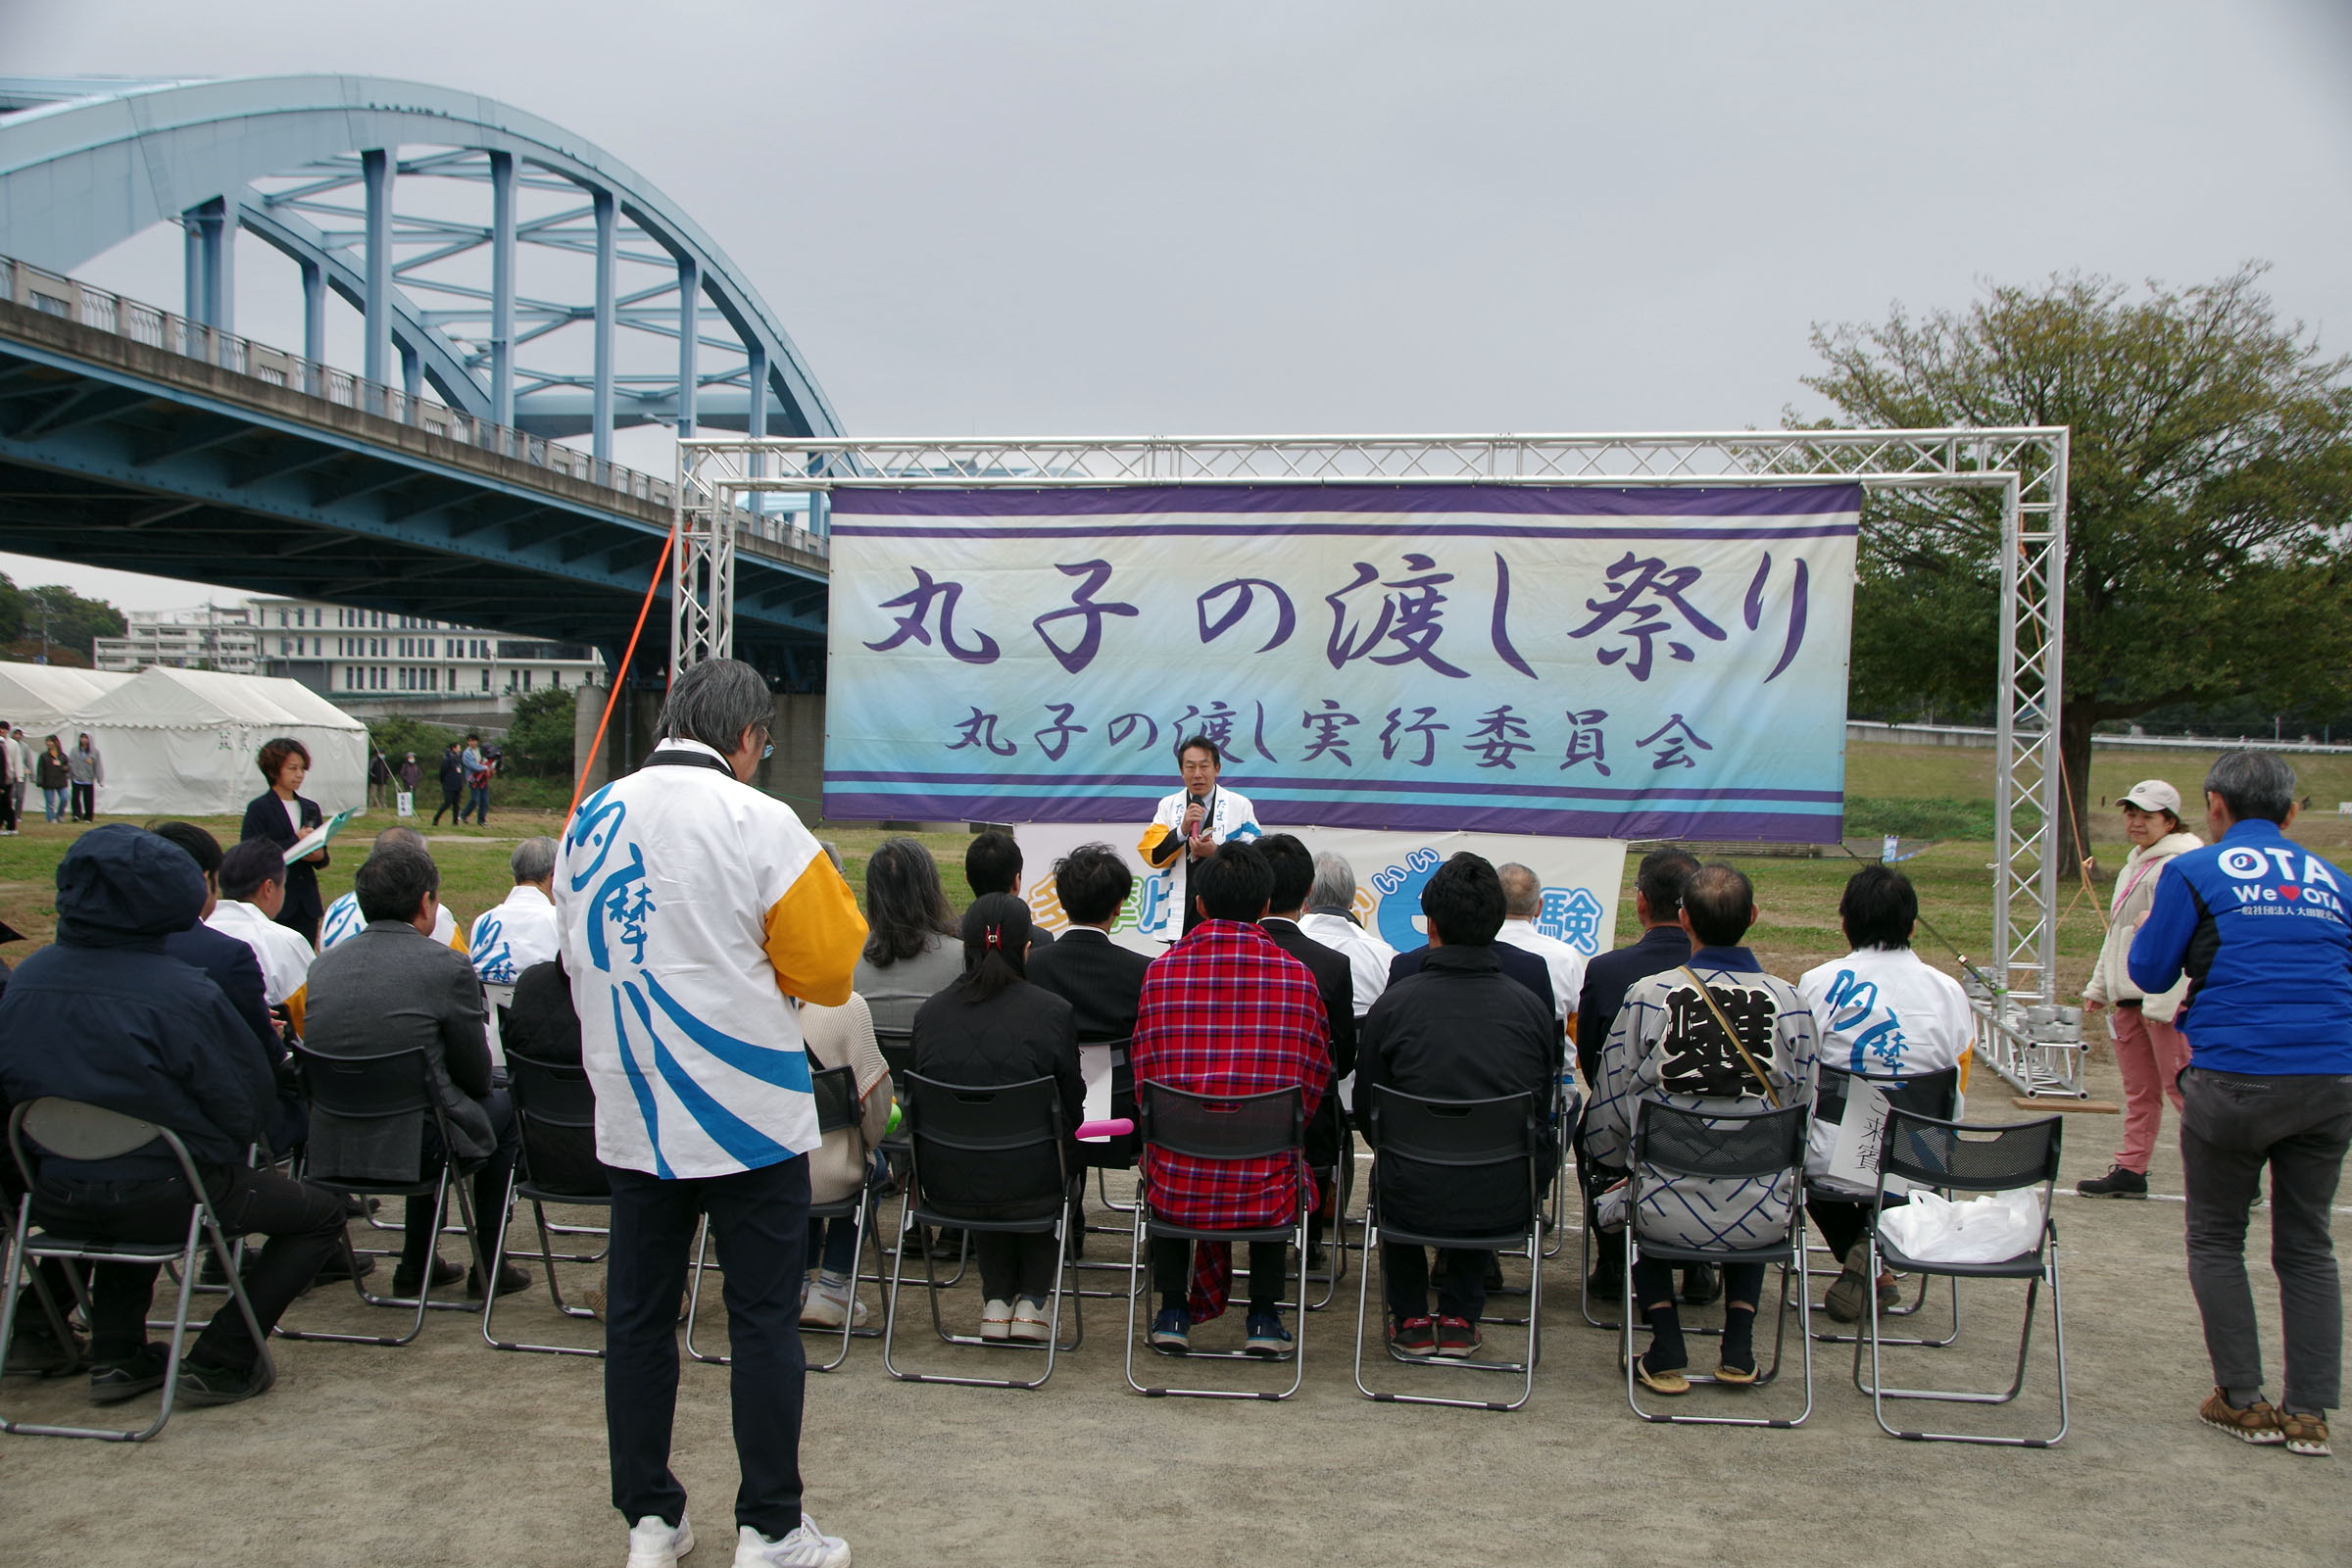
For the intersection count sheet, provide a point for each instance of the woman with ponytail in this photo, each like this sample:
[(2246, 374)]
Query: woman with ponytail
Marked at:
[(992, 1027)]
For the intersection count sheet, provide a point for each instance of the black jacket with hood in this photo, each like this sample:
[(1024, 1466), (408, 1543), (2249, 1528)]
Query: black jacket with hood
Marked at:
[(105, 1016)]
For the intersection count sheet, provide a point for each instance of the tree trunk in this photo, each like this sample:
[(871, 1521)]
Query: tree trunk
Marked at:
[(2074, 805)]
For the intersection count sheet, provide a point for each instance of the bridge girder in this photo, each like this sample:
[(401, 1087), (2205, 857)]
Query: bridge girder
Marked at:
[(86, 164)]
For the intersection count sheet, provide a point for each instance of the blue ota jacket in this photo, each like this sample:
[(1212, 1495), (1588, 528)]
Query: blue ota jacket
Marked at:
[(2258, 923)]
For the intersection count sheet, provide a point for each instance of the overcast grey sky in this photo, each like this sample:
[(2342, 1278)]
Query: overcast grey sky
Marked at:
[(1061, 218)]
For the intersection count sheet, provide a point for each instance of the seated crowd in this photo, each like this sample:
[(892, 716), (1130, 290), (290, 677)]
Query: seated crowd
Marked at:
[(189, 999)]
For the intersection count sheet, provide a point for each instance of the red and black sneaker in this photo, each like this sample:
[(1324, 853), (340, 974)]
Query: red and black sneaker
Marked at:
[(1457, 1336), (1415, 1336)]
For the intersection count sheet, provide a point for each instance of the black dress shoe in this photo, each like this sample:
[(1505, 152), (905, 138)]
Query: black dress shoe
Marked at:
[(1702, 1283), (337, 1269), (510, 1278), (445, 1272), (1605, 1285)]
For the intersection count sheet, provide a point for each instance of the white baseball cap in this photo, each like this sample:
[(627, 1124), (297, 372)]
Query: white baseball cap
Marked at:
[(2153, 795)]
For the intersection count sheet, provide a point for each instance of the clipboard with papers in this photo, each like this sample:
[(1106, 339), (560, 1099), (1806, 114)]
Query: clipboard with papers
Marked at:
[(319, 837)]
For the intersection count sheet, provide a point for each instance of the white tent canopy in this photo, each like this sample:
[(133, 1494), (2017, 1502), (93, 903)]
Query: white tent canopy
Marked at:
[(42, 700), (187, 742)]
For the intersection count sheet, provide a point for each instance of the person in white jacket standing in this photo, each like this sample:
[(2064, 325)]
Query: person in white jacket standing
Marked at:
[(2148, 1050)]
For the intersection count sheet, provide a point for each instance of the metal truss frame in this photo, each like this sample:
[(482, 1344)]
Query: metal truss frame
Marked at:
[(722, 481)]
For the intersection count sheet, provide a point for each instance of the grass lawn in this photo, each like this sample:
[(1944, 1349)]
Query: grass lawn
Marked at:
[(1915, 790)]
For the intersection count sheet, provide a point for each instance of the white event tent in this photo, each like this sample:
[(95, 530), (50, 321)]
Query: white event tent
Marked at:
[(42, 700), (187, 742)]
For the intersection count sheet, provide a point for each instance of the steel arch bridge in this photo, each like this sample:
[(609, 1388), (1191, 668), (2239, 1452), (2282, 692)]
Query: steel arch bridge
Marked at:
[(423, 208)]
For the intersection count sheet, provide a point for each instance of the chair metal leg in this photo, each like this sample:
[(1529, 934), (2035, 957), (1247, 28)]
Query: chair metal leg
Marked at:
[(1880, 1394), (1804, 1315), (421, 1301), (1297, 1355), (547, 1256), (694, 1294), (1525, 1368), (1051, 1344), (1584, 1282), (848, 1317), (204, 1229)]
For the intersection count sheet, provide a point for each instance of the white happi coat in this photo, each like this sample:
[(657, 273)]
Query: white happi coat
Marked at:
[(1167, 890), (693, 909), (510, 937)]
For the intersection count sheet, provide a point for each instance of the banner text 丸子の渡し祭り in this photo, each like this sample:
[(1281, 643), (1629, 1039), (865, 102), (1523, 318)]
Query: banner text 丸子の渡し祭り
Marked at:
[(1652, 663)]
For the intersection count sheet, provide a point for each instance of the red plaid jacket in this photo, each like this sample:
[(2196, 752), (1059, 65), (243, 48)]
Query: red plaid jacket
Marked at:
[(1227, 1012)]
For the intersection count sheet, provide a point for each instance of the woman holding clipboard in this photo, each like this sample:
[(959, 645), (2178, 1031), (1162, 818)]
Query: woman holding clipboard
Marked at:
[(282, 814)]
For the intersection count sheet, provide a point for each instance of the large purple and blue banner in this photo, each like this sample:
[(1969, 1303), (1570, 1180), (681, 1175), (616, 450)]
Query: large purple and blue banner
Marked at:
[(1657, 663)]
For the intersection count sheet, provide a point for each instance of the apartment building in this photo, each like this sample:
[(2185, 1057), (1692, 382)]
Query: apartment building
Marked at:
[(359, 659), (209, 637)]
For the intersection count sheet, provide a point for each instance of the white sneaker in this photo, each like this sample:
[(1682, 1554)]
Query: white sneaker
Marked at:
[(654, 1544), (825, 1308), (1030, 1323), (996, 1320), (805, 1548)]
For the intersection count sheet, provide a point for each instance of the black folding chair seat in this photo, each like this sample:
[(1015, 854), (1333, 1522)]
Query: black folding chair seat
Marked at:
[(554, 1101), (1467, 1137), (68, 1129), (1671, 1143), (1960, 1157), (975, 1125), (378, 1088), (1221, 1127)]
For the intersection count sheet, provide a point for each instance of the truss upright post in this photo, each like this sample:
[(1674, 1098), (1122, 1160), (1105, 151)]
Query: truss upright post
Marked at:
[(2028, 769), (375, 174), (701, 582), (601, 417), (502, 289)]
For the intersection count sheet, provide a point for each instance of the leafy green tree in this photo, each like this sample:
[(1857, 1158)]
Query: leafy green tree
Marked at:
[(397, 734), (539, 738), (11, 610), (65, 618), (2207, 512)]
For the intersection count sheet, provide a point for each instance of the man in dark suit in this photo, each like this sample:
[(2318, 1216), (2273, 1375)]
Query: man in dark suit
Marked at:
[(393, 988), (1664, 945), (1334, 980), (1102, 981)]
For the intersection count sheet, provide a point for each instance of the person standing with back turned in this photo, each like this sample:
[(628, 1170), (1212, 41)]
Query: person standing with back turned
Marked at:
[(695, 915), (2257, 922)]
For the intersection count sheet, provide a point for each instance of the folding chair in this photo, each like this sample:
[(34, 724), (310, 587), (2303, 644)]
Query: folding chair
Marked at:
[(973, 1125), (836, 1092), (1220, 1127), (552, 1098), (1931, 1094), (68, 1129), (898, 1053), (1462, 1137), (376, 1089), (1960, 1157), (1765, 1147)]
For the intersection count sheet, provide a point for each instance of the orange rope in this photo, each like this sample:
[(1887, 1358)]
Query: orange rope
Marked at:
[(596, 747), (2084, 855)]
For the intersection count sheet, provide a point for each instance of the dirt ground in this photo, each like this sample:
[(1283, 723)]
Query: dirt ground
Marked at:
[(449, 1452)]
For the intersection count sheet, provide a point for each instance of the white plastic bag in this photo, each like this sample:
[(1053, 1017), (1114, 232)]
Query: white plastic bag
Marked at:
[(1989, 1228)]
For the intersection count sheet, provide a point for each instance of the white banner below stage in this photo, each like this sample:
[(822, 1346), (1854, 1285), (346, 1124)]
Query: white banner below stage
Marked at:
[(1579, 878)]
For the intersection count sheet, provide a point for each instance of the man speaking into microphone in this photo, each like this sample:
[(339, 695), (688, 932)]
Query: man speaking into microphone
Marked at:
[(1189, 826)]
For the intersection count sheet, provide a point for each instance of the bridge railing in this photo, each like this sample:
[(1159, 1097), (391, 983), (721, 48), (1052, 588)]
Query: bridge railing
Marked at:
[(74, 301)]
